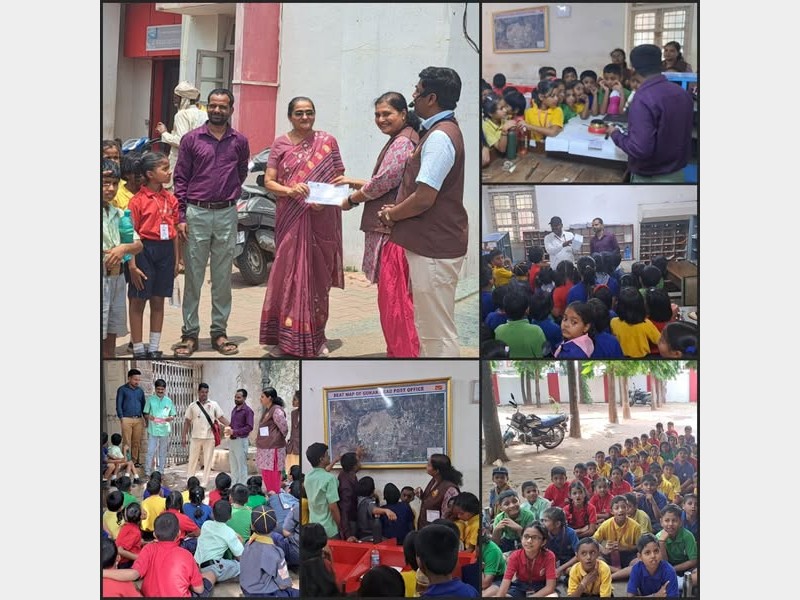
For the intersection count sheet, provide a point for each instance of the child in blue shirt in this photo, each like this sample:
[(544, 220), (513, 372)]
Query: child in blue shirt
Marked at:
[(652, 575), (436, 547), (652, 501), (562, 540), (404, 523), (539, 310)]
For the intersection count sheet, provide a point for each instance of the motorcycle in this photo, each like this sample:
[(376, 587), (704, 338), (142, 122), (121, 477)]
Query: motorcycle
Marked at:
[(141, 145), (639, 396), (255, 239), (530, 429)]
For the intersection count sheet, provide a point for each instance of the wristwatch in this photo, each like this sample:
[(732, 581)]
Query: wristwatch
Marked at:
[(350, 202)]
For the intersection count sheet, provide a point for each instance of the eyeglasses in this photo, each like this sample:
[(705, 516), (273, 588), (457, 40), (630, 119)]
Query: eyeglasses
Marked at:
[(528, 536), (301, 113)]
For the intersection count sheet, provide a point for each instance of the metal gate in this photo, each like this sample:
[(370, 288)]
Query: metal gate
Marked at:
[(182, 380)]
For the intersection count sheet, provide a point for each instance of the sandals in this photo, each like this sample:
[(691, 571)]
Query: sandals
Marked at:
[(188, 345), (226, 348)]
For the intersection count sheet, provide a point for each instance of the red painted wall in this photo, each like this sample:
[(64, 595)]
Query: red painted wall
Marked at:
[(138, 17), (692, 385), (552, 386), (256, 60)]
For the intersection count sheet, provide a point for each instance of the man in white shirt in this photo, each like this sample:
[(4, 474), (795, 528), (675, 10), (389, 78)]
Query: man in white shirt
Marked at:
[(188, 117), (202, 439), (558, 243)]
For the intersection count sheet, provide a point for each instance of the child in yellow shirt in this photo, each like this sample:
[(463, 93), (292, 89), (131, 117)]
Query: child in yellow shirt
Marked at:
[(545, 118)]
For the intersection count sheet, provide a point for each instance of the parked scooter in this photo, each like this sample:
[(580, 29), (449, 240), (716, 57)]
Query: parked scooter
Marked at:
[(639, 396), (530, 429), (141, 145), (255, 241)]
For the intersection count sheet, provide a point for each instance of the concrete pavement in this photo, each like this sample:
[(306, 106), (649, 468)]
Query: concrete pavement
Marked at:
[(353, 326)]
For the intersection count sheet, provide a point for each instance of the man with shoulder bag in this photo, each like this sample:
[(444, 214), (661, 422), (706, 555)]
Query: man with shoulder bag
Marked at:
[(201, 418)]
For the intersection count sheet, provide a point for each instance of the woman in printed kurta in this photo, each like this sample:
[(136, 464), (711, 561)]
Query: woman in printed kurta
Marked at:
[(384, 262)]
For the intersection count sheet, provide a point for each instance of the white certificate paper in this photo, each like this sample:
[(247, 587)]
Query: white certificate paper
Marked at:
[(325, 193), (577, 240), (264, 431)]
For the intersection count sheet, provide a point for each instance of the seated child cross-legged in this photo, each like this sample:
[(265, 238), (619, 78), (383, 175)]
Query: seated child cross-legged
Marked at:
[(437, 555), (561, 539), (618, 536), (652, 575), (533, 501), (531, 570), (510, 521), (263, 569), (677, 544), (112, 587), (166, 569), (590, 576)]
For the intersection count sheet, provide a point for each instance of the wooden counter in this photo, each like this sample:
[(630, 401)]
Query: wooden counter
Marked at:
[(535, 167), (684, 275)]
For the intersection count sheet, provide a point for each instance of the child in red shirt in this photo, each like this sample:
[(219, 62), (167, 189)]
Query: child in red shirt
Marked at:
[(166, 569), (222, 483), (154, 211), (188, 529), (581, 515), (129, 538), (111, 587), (581, 474), (532, 568), (558, 491), (619, 487), (601, 499)]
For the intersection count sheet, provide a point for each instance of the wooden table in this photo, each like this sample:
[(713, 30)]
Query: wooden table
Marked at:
[(684, 274), (535, 167)]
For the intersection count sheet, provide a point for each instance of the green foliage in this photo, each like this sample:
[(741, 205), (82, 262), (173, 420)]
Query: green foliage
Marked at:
[(664, 370), (586, 393)]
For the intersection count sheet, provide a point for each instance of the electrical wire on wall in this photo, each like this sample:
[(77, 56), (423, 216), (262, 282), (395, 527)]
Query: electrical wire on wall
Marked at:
[(466, 35)]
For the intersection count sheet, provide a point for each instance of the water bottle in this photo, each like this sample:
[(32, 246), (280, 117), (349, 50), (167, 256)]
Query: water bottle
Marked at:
[(628, 252), (126, 231), (374, 558), (523, 140), (511, 149), (614, 100)]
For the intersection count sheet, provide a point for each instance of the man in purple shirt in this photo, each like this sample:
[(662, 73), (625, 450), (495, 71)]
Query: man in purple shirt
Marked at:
[(241, 426), (601, 241), (211, 167), (659, 139)]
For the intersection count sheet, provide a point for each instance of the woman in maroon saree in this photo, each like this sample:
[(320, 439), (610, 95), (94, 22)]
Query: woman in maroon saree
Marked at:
[(384, 261), (308, 238)]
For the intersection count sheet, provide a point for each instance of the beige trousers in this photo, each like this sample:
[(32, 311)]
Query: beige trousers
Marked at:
[(196, 446), (433, 287)]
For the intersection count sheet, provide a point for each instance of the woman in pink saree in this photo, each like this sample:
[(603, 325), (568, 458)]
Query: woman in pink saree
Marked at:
[(385, 262), (308, 238)]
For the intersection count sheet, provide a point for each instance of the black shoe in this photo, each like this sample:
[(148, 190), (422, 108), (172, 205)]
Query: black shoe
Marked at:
[(155, 355), (141, 355), (137, 465)]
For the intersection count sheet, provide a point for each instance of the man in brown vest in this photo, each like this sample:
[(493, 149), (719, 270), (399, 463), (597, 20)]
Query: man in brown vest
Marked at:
[(429, 219)]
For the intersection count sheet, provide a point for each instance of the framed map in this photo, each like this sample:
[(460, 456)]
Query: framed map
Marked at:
[(399, 424), (521, 30)]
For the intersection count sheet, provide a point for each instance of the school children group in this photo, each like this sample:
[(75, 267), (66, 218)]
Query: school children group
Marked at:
[(141, 251), (592, 310), (632, 514), (555, 100), (349, 508), (180, 544)]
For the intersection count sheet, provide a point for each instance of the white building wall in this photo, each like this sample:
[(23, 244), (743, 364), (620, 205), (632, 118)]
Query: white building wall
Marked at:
[(464, 453), (584, 40), (362, 51), (112, 43), (132, 118)]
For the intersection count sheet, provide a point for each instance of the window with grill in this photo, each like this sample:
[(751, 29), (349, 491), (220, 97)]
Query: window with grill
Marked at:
[(513, 212), (661, 23)]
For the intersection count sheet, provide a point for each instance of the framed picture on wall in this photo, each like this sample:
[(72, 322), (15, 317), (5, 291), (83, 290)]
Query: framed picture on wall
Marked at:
[(398, 424), (521, 30)]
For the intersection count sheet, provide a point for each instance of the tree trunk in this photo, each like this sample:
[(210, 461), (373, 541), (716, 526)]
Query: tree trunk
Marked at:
[(528, 390), (575, 417), (656, 392), (525, 399), (538, 390), (612, 400), (626, 407), (492, 435)]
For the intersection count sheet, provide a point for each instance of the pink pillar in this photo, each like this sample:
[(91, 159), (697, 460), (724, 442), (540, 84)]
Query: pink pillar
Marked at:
[(255, 71)]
